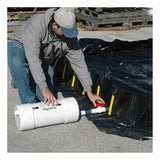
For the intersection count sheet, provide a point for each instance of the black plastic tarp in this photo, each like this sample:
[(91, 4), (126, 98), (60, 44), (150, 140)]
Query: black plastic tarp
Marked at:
[(122, 69)]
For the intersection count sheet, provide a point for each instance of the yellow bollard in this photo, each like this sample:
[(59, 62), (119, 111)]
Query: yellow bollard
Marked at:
[(111, 105), (83, 92), (55, 64), (98, 90), (64, 71), (73, 80)]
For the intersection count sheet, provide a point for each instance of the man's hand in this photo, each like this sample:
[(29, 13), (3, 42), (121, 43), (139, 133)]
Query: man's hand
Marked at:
[(48, 96), (93, 98)]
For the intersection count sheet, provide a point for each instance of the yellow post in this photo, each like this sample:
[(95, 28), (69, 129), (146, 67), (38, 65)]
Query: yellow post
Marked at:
[(55, 64), (98, 90), (73, 80), (83, 92), (64, 71), (111, 105)]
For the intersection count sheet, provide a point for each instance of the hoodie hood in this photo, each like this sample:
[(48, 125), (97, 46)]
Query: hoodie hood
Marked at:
[(48, 15)]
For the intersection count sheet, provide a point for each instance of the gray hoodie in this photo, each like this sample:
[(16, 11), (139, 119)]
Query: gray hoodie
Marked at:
[(41, 45)]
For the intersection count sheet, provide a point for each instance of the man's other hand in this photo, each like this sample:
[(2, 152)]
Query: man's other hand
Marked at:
[(93, 98)]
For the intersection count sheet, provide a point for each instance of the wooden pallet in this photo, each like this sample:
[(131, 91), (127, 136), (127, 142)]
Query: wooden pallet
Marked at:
[(97, 18), (17, 16), (90, 18), (22, 14)]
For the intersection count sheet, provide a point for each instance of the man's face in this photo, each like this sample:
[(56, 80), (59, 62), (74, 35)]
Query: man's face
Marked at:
[(57, 29)]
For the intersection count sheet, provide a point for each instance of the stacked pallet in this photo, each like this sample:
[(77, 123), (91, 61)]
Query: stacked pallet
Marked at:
[(17, 16), (89, 18), (22, 14), (98, 18)]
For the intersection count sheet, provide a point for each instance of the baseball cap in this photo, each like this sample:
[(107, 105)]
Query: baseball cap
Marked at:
[(65, 18)]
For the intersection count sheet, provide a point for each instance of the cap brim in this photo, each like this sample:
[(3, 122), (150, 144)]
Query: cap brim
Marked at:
[(70, 33)]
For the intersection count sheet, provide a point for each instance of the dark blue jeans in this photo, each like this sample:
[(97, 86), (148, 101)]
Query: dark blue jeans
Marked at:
[(29, 91)]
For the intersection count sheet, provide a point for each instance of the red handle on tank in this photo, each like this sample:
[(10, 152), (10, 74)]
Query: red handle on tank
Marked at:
[(100, 105)]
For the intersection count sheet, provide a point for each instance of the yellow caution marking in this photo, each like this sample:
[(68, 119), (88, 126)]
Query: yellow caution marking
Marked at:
[(111, 105), (73, 80), (83, 92), (64, 71), (98, 90), (55, 64)]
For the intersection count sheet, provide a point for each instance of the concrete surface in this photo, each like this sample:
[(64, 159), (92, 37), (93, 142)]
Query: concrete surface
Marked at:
[(130, 35), (82, 136)]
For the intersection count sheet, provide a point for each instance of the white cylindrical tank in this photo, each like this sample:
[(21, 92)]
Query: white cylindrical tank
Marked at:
[(30, 116)]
